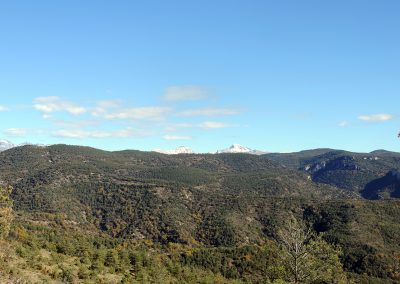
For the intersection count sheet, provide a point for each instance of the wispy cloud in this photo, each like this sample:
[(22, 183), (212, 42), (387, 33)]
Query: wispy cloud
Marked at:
[(103, 118), (213, 125), (175, 126), (52, 104), (81, 134), (176, 137), (102, 107), (210, 112), (376, 117), (343, 123), (16, 131), (184, 93), (203, 125), (3, 108), (78, 124), (140, 113)]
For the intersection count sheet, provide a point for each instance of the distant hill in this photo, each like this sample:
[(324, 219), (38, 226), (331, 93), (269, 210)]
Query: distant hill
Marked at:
[(234, 149), (342, 169), (384, 187), (297, 159)]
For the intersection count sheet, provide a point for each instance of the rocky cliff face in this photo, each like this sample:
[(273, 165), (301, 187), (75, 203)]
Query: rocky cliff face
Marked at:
[(341, 163)]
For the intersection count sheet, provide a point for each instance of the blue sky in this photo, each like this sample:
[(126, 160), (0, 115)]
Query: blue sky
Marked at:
[(270, 75)]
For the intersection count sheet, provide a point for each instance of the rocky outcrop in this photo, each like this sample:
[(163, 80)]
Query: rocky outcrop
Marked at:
[(341, 163)]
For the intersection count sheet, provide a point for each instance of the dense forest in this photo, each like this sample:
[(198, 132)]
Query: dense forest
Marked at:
[(80, 215)]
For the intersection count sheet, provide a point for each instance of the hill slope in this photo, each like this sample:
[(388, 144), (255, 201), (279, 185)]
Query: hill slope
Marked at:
[(355, 172), (214, 203), (150, 195)]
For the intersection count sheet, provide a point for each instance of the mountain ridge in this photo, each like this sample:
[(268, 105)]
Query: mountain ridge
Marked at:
[(225, 201), (234, 148)]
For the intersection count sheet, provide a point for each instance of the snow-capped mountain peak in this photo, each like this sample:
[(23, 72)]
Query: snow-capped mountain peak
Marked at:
[(236, 148), (5, 145), (179, 150)]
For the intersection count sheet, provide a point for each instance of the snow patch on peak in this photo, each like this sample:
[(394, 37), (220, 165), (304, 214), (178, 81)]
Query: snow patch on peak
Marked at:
[(236, 148), (179, 150), (5, 145)]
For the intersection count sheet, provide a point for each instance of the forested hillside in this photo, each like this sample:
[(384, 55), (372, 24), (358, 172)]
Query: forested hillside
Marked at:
[(368, 174), (86, 215)]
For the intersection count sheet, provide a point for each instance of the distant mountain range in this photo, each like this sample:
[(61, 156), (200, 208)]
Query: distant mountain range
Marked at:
[(179, 150), (235, 148), (127, 187), (212, 200)]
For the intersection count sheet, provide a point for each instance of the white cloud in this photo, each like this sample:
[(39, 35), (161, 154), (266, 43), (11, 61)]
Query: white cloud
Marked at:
[(108, 103), (102, 107), (80, 134), (52, 104), (209, 112), (183, 124), (78, 124), (16, 131), (140, 113), (176, 137), (174, 127), (114, 112), (55, 104), (184, 93), (376, 117), (204, 125), (213, 125), (3, 108), (343, 123)]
